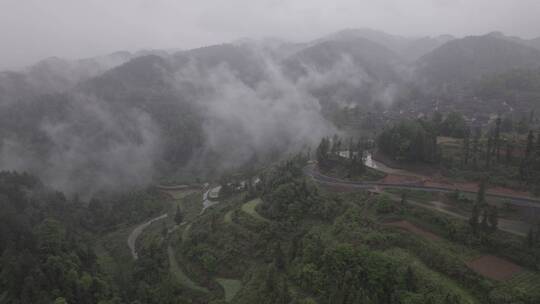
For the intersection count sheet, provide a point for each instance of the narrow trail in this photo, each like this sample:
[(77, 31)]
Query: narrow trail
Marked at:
[(132, 238)]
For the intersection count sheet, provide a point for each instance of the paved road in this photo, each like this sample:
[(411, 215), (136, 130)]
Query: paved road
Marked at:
[(132, 238), (311, 171)]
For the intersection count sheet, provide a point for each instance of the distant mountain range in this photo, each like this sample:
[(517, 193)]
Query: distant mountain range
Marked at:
[(126, 118)]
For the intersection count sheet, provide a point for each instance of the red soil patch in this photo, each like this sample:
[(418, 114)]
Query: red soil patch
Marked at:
[(494, 268), (414, 229)]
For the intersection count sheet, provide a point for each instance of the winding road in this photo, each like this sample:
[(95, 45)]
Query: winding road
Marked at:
[(310, 170), (132, 238), (514, 227)]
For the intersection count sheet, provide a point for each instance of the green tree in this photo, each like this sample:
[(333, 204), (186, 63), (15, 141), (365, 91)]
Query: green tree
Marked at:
[(484, 224), (323, 150), (530, 145), (473, 220), (270, 279), (403, 201), (454, 125), (493, 218), (284, 295), (410, 280), (279, 257), (475, 147), (498, 138), (481, 194), (530, 238), (178, 216), (509, 152), (489, 152), (466, 147)]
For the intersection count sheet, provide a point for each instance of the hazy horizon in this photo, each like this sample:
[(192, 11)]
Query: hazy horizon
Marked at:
[(33, 30)]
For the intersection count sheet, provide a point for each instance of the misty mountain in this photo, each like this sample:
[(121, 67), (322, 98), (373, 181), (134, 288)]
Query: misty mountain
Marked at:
[(535, 43), (55, 75), (346, 72), (191, 114), (376, 60), (129, 119), (460, 61), (408, 48)]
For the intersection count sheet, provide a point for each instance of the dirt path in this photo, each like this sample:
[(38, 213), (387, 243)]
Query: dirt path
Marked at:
[(132, 238)]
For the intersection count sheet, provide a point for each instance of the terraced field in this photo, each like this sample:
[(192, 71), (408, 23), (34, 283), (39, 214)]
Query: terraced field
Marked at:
[(250, 208), (526, 281)]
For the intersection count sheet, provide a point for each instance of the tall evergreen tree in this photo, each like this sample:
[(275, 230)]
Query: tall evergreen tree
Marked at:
[(473, 220), (360, 149), (493, 218), (530, 145), (410, 280), (489, 152), (466, 147), (284, 295), (484, 224), (270, 280), (403, 199), (481, 195), (509, 152), (497, 145), (322, 151), (178, 217), (530, 238), (476, 142), (279, 257)]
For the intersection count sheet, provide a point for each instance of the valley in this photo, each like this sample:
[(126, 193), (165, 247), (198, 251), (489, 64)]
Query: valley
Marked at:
[(347, 165)]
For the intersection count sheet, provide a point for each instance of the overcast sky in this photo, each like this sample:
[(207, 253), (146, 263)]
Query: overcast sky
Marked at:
[(34, 29)]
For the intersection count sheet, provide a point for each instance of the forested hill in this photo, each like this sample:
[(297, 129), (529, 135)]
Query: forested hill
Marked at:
[(48, 242), (460, 61)]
